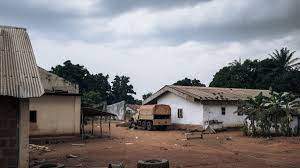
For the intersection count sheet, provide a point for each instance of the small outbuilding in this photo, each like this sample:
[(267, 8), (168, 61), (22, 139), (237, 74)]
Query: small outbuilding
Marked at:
[(19, 81), (200, 106), (57, 111)]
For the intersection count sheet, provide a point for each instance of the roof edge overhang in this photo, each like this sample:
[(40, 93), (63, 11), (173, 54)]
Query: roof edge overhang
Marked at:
[(171, 89)]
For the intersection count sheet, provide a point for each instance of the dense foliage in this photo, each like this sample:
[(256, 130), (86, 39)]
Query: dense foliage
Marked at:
[(280, 72), (145, 96), (189, 82), (272, 115), (95, 88)]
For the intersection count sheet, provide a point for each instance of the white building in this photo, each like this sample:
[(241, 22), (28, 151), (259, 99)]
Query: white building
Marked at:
[(57, 112), (195, 106)]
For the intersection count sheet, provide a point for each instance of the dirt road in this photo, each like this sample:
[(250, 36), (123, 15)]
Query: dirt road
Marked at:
[(129, 146)]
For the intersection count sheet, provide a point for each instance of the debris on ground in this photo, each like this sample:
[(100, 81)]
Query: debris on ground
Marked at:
[(153, 163), (193, 135), (36, 162), (228, 138), (120, 165), (79, 165), (78, 144), (122, 124), (38, 148), (163, 148), (50, 165), (71, 156), (209, 130), (128, 143)]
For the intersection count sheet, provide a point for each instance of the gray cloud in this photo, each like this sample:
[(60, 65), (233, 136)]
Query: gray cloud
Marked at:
[(179, 37), (117, 7)]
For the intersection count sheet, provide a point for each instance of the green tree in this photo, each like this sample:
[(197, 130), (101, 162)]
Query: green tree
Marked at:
[(265, 113), (145, 96), (95, 88), (122, 90), (73, 73), (279, 73), (189, 82), (284, 59)]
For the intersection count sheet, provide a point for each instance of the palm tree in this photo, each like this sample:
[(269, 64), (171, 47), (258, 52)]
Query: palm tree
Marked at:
[(284, 59)]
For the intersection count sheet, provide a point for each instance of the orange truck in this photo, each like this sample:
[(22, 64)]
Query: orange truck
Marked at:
[(149, 117)]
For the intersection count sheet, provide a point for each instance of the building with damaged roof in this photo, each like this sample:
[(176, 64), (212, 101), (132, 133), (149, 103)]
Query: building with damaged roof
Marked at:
[(57, 111), (197, 106)]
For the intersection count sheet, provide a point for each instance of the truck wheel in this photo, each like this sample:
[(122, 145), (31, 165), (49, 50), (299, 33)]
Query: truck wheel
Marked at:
[(144, 125), (149, 125), (153, 164), (131, 123)]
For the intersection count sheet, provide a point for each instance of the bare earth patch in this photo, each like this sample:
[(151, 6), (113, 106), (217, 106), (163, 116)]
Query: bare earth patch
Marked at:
[(129, 146)]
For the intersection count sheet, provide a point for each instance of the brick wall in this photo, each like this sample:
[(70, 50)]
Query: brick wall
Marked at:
[(8, 132)]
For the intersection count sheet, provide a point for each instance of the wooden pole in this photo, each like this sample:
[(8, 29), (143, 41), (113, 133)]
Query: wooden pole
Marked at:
[(101, 126), (93, 126), (82, 126), (109, 126)]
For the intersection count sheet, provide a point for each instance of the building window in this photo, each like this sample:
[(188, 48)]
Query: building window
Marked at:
[(33, 116), (223, 110), (239, 113), (179, 113)]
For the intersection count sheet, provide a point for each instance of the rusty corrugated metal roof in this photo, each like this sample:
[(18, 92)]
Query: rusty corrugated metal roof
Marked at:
[(19, 75), (208, 93)]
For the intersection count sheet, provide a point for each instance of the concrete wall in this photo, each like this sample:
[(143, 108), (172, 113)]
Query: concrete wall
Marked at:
[(230, 119), (13, 141), (192, 111), (24, 133), (56, 115), (118, 109), (196, 113)]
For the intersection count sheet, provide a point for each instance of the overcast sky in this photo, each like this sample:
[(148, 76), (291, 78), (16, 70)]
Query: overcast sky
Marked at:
[(155, 42)]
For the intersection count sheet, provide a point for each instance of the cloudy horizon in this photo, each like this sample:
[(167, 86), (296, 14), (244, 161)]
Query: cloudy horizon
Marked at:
[(154, 43)]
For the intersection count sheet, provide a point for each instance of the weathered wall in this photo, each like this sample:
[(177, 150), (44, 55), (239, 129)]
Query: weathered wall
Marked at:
[(192, 112), (24, 133), (56, 115), (230, 119), (12, 112), (118, 109)]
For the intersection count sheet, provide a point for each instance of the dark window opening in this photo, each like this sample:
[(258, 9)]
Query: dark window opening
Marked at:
[(33, 116), (179, 113), (223, 110), (161, 116), (239, 111)]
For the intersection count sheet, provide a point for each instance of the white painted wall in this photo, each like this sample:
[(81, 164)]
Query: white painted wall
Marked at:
[(192, 112), (56, 115), (294, 123), (230, 119)]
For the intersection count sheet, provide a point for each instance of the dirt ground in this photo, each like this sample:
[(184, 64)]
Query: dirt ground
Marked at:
[(129, 146)]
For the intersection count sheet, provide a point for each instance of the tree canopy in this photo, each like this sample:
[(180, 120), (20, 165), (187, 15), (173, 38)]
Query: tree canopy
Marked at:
[(145, 96), (189, 82), (95, 88), (280, 72)]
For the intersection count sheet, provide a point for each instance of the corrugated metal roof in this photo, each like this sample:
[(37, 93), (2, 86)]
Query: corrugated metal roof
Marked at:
[(19, 75), (55, 84), (208, 93)]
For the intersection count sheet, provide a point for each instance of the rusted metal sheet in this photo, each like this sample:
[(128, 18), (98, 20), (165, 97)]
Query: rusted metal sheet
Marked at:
[(19, 75)]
